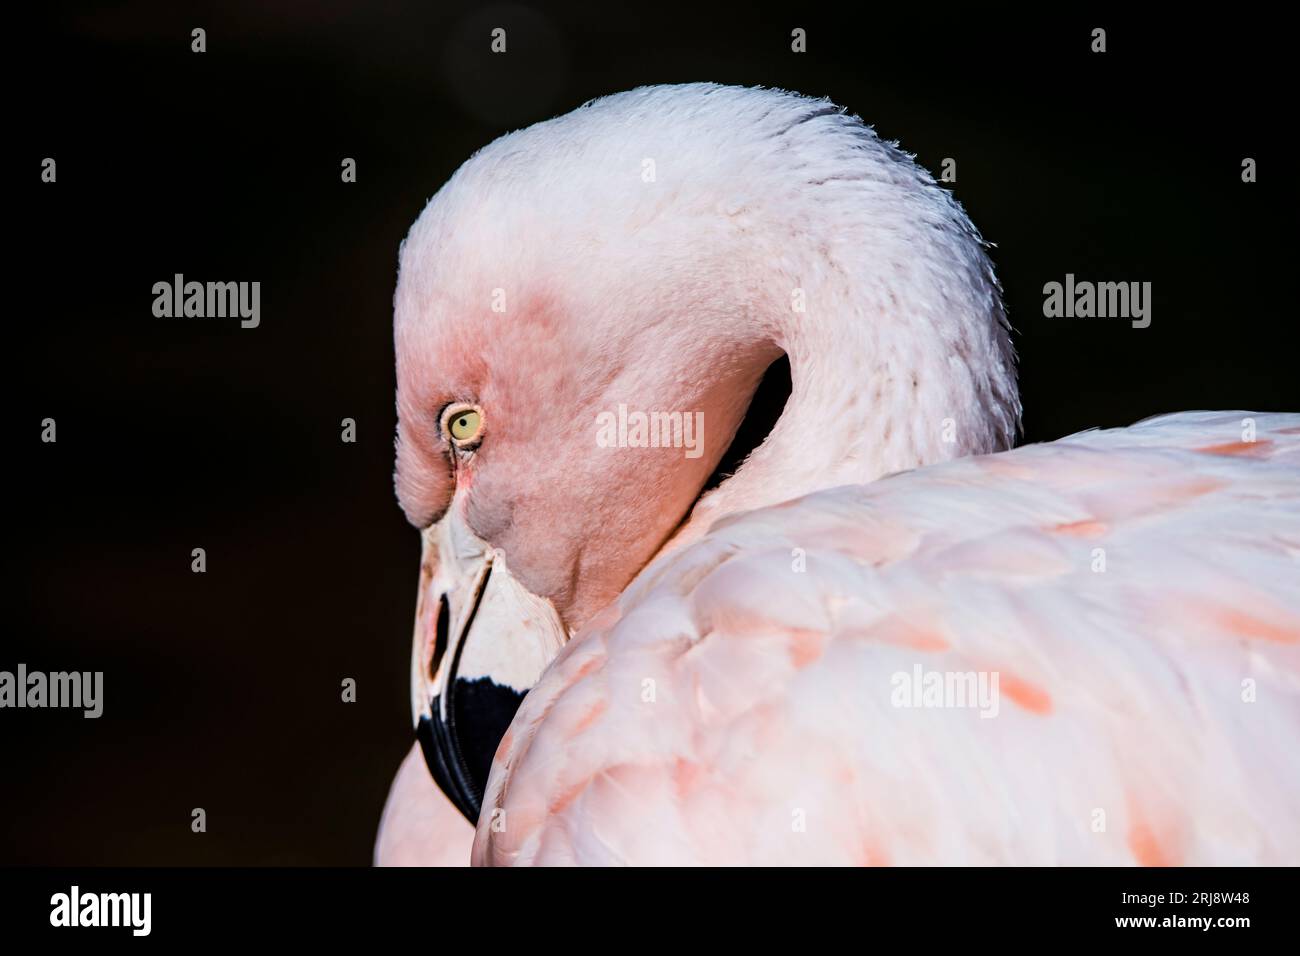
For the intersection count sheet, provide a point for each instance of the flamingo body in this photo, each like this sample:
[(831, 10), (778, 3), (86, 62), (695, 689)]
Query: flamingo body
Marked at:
[(1136, 590)]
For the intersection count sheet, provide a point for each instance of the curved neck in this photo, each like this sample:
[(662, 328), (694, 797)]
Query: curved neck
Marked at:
[(878, 386)]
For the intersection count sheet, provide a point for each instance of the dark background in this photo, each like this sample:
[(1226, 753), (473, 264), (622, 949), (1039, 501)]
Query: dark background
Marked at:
[(222, 690)]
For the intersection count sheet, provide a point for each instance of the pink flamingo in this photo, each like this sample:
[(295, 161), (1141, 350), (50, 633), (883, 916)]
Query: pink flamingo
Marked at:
[(885, 638)]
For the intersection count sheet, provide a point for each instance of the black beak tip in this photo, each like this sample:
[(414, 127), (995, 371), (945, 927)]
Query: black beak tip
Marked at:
[(448, 770), (459, 751)]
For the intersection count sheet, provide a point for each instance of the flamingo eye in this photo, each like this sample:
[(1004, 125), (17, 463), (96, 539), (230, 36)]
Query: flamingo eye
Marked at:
[(462, 424)]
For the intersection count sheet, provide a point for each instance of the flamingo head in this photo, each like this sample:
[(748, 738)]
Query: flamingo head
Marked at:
[(582, 316)]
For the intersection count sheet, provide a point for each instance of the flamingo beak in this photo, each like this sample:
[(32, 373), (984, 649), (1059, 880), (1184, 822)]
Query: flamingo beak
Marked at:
[(481, 641)]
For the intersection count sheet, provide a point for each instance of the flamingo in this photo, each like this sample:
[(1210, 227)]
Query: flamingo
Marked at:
[(887, 637)]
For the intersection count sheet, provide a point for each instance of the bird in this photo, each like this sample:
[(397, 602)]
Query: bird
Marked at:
[(887, 635)]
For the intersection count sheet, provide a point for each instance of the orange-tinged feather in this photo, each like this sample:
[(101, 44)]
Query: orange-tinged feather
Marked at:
[(1081, 529), (1240, 449), (1029, 696), (1246, 625), (1146, 848), (589, 717), (805, 647)]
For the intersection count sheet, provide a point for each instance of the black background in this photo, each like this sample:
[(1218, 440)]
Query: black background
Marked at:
[(222, 690)]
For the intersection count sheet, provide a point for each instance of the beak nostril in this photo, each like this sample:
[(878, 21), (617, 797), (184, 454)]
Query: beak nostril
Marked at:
[(440, 640)]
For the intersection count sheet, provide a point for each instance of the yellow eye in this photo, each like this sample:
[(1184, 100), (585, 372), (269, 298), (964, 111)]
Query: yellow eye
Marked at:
[(463, 423)]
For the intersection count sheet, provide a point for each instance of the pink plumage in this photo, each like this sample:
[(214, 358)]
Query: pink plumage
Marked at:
[(1136, 596)]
